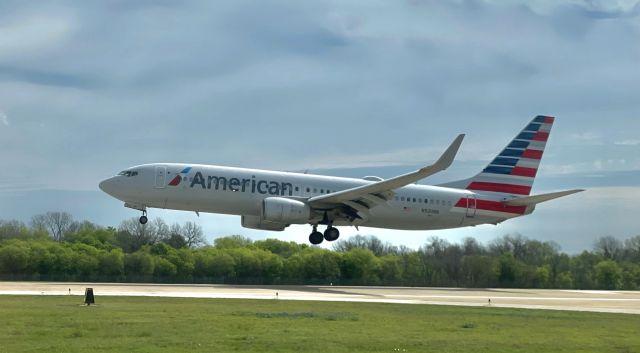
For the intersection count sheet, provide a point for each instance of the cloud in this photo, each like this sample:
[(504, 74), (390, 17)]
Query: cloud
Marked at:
[(32, 35), (628, 143), (47, 78), (4, 119), (590, 138)]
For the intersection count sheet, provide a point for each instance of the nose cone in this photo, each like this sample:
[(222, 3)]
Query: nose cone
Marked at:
[(108, 186)]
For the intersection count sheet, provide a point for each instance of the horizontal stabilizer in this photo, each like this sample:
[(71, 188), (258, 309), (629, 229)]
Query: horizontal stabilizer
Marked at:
[(532, 200)]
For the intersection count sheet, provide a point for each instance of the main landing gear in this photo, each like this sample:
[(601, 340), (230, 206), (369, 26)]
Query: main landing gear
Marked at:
[(143, 219), (330, 234)]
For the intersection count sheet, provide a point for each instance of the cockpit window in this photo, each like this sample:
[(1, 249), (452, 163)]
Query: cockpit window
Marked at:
[(128, 173)]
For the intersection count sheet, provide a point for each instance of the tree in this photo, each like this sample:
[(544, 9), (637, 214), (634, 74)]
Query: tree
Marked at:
[(632, 249), (56, 223), (506, 270), (609, 247), (630, 276), (232, 241), (279, 247), (471, 246), (132, 235), (161, 229), (477, 271), (608, 275), (369, 242), (14, 258), (13, 229), (582, 270), (391, 269), (192, 234), (213, 263), (139, 264), (112, 263), (315, 265), (176, 241), (98, 237), (564, 280), (541, 277), (360, 266), (163, 269), (413, 269)]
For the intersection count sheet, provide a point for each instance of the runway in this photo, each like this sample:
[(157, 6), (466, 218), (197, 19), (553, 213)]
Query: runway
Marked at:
[(575, 300)]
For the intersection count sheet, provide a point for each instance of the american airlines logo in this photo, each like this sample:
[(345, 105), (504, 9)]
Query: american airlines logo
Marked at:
[(176, 181)]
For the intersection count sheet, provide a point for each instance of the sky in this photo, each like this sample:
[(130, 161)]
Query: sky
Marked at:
[(348, 88)]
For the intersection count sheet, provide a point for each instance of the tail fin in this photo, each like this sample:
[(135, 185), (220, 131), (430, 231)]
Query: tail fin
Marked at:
[(515, 168)]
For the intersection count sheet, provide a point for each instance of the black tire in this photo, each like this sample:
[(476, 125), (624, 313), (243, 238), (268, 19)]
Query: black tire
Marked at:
[(331, 234), (316, 238), (143, 219)]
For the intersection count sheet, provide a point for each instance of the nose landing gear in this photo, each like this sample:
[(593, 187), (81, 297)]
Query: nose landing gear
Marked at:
[(143, 219)]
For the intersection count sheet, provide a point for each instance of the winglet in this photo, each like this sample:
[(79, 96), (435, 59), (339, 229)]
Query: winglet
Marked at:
[(450, 154), (536, 199)]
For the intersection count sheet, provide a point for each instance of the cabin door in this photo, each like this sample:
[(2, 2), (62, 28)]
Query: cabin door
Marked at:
[(471, 206), (161, 176)]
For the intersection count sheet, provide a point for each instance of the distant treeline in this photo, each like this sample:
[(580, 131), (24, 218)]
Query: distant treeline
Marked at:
[(54, 247)]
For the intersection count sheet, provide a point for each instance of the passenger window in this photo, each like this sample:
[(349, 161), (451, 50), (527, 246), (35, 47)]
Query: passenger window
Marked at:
[(402, 198), (322, 191), (297, 188), (414, 199), (315, 191), (307, 189)]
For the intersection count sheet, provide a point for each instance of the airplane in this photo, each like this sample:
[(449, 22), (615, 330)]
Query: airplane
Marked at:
[(274, 200)]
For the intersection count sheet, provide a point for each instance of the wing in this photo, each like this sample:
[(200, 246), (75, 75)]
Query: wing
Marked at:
[(364, 197)]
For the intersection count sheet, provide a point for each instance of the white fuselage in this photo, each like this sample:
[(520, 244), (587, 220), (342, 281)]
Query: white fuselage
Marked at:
[(240, 191)]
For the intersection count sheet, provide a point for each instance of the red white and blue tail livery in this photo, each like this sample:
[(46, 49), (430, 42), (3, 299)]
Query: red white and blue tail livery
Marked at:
[(273, 200)]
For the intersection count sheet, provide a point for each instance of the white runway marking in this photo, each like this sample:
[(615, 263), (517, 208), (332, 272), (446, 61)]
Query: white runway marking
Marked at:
[(517, 298), (598, 301)]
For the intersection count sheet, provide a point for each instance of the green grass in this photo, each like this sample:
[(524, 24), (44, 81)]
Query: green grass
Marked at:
[(135, 324)]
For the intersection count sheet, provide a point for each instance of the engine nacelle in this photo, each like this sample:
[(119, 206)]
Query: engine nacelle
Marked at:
[(254, 222), (281, 210)]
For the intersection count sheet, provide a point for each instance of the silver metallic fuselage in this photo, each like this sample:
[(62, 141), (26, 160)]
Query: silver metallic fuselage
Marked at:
[(240, 191)]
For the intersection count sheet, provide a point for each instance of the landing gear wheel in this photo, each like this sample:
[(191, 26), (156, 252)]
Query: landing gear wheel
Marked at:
[(143, 219), (331, 234), (315, 238)]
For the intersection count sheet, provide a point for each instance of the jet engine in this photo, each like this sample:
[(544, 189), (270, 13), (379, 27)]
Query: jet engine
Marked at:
[(255, 222), (287, 211)]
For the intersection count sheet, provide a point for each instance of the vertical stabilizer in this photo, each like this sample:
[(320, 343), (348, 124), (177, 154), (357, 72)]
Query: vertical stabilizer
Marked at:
[(514, 169)]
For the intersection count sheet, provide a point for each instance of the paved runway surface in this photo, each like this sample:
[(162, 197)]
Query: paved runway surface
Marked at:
[(602, 301)]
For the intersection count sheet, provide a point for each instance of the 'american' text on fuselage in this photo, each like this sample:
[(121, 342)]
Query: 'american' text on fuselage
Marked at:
[(243, 185)]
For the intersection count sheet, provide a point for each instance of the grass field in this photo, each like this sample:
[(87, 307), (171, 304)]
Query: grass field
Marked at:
[(137, 324)]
